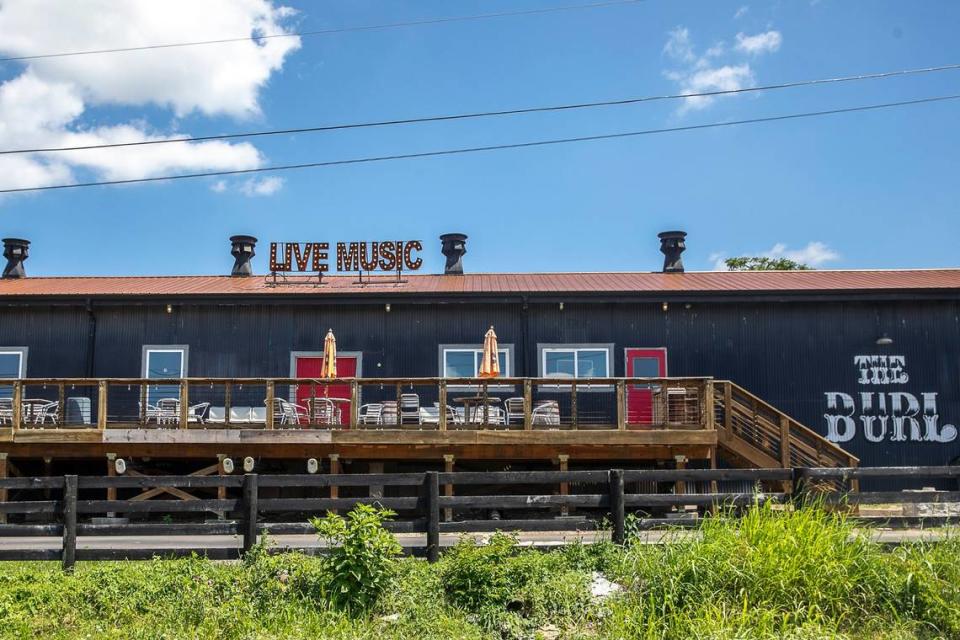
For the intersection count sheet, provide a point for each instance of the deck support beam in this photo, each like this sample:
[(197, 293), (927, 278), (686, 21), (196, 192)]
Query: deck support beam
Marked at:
[(376, 490), (111, 472), (680, 487), (335, 469), (3, 492)]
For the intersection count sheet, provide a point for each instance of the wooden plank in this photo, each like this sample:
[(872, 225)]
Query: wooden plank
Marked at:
[(272, 505), (524, 502), (527, 405), (305, 528), (442, 425), (215, 553), (53, 482), (621, 406), (269, 402), (881, 472), (342, 480), (693, 475), (30, 555), (522, 477), (890, 497), (69, 522), (17, 418), (31, 506), (559, 524), (30, 530), (146, 482), (155, 506), (184, 404), (250, 511), (709, 409), (160, 529), (703, 499)]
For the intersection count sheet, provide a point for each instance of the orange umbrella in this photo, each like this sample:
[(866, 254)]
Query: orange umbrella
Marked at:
[(329, 369), (490, 365)]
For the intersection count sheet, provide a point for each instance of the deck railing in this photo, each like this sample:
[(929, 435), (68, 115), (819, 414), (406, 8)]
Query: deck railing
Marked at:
[(358, 403)]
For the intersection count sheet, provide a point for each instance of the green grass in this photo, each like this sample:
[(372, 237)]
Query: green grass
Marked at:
[(767, 575)]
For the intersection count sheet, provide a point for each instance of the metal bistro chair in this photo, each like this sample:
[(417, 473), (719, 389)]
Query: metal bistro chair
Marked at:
[(370, 413), (288, 413), (197, 413), (546, 413), (409, 408), (6, 410), (49, 411), (495, 416), (388, 416), (323, 411), (168, 410), (514, 408)]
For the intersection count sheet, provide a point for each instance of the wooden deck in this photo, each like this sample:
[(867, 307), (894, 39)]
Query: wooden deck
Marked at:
[(593, 420)]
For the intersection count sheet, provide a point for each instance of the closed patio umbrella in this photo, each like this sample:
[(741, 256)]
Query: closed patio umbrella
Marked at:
[(329, 369), (490, 365)]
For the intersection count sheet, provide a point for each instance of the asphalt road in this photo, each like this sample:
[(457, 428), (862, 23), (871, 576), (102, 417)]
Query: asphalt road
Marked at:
[(532, 539)]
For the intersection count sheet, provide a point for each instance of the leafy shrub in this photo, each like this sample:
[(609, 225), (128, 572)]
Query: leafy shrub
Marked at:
[(362, 557)]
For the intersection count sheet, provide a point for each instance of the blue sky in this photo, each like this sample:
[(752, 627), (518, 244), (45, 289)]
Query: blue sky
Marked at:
[(869, 190)]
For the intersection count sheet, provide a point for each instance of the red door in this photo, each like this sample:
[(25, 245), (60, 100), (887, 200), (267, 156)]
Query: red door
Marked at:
[(643, 363), (310, 366)]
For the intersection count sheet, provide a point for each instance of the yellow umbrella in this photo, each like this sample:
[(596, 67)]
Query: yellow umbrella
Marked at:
[(490, 365), (329, 369)]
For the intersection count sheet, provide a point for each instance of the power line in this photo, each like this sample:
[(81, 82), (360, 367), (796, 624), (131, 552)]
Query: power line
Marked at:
[(488, 114), (323, 32), (499, 147)]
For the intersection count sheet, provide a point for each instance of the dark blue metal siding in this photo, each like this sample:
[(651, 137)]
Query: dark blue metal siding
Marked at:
[(789, 353)]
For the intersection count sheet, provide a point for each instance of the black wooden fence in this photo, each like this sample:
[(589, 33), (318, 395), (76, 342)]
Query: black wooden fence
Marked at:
[(610, 498)]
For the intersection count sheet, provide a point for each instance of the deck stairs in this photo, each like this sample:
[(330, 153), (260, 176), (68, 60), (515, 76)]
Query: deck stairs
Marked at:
[(754, 433)]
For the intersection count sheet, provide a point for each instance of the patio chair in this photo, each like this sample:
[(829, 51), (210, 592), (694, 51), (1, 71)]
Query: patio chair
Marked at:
[(494, 416), (197, 412), (240, 415), (168, 410), (148, 414), (388, 417), (546, 413), (49, 411), (370, 413), (6, 410), (514, 408), (288, 413), (409, 408), (323, 411)]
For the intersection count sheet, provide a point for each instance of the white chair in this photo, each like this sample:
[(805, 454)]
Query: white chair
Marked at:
[(494, 416), (514, 408), (546, 413), (370, 413), (323, 411), (409, 408), (196, 412), (49, 411), (168, 410), (6, 410)]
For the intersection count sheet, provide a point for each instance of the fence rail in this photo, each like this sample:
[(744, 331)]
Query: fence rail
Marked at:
[(606, 495)]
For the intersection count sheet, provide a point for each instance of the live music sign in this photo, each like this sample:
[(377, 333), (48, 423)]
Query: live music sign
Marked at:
[(385, 255)]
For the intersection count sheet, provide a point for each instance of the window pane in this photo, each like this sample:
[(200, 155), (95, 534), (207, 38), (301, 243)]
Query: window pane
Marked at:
[(164, 364), (502, 357), (591, 364), (559, 364), (9, 365), (645, 367), (459, 364)]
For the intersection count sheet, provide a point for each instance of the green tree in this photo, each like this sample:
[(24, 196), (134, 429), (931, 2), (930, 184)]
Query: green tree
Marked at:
[(762, 263)]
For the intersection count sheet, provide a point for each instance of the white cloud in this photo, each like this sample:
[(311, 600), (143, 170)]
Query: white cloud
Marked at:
[(766, 42), (710, 71), (815, 254), (742, 11), (219, 186), (48, 103), (261, 186)]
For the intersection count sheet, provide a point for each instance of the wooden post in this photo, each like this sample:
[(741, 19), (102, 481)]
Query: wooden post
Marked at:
[(269, 402), (111, 473), (399, 393), (564, 459), (621, 405), (714, 508), (335, 469), (680, 487), (69, 557), (3, 492), (143, 404), (102, 405), (617, 513), (785, 449), (226, 404), (221, 488), (432, 508), (727, 407), (355, 405), (573, 405), (375, 490), (62, 399), (184, 404), (710, 416), (448, 488), (442, 425), (17, 405), (527, 404), (250, 509)]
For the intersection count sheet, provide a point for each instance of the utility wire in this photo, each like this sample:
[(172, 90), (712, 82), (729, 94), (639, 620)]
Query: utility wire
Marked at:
[(488, 114), (520, 145), (323, 32)]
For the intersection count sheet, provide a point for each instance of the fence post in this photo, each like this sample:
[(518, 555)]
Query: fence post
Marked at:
[(17, 405), (616, 505), (69, 522), (527, 404), (798, 485), (431, 487), (250, 509), (621, 405), (442, 426), (102, 405), (184, 404), (270, 394)]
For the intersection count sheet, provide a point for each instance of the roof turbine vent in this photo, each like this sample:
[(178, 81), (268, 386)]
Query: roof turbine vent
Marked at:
[(454, 247), (15, 251), (672, 244), (242, 249)]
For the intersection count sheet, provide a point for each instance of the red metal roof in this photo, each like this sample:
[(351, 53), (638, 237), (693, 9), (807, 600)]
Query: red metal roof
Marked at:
[(494, 284)]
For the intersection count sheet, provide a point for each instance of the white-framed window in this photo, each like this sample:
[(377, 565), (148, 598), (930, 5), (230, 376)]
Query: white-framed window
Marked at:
[(575, 361), (164, 362), (13, 365), (463, 361)]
